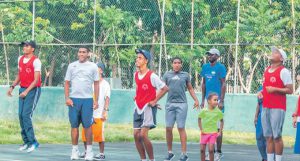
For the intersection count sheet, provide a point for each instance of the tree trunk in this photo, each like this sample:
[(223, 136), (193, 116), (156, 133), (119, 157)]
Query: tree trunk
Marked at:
[(5, 53), (152, 49), (51, 71)]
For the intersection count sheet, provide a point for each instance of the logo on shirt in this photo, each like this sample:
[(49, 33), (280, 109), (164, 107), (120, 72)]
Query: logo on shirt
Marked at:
[(176, 78), (28, 70), (213, 72), (145, 87), (272, 79)]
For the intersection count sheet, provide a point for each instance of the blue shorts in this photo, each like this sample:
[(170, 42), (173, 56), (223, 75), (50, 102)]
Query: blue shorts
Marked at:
[(297, 140), (81, 112)]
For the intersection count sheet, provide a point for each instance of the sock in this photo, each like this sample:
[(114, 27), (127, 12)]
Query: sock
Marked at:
[(89, 148), (75, 147), (183, 153), (270, 157), (278, 157), (143, 159), (152, 160), (170, 152)]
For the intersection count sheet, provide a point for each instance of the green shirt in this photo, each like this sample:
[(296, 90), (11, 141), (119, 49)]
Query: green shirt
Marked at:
[(210, 119)]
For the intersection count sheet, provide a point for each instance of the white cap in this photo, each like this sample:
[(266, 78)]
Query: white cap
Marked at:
[(213, 51), (282, 53)]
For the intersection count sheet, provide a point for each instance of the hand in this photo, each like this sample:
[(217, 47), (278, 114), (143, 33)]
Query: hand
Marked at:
[(196, 104), (255, 121), (270, 89), (9, 92), (202, 105), (295, 122), (152, 103), (104, 115), (23, 94), (219, 133), (221, 105), (260, 95), (95, 105), (69, 102)]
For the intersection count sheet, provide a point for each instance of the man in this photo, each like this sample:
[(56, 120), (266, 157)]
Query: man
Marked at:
[(100, 114), (277, 83), (213, 80), (144, 117), (81, 76), (176, 107), (29, 78)]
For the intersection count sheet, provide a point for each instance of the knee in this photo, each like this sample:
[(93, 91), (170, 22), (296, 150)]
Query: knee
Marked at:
[(211, 151), (202, 151), (144, 136), (181, 129), (136, 135), (169, 129)]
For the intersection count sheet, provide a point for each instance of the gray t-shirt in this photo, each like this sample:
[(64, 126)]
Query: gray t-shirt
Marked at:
[(82, 77), (177, 83)]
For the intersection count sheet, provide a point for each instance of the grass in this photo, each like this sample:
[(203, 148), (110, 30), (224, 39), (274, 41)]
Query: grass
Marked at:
[(58, 132)]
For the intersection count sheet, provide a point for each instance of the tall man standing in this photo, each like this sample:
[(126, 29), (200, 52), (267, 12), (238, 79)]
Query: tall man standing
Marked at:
[(81, 76), (176, 107), (213, 80), (277, 83), (144, 117), (29, 78)]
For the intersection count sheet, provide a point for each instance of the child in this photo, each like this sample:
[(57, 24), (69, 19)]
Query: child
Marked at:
[(208, 124), (100, 114), (296, 123), (260, 139)]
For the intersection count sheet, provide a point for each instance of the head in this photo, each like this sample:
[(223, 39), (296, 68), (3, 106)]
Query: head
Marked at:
[(83, 54), (176, 64), (278, 55), (212, 100), (213, 55), (28, 47), (101, 68), (143, 57)]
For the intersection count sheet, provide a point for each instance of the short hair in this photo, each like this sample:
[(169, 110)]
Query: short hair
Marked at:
[(178, 58), (85, 47), (210, 95)]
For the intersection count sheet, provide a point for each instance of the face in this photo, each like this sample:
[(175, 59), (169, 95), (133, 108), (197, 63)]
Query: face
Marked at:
[(100, 71), (27, 49), (140, 61), (276, 57), (83, 54), (213, 101), (212, 57), (177, 65)]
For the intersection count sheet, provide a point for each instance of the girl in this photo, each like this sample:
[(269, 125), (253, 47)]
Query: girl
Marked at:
[(208, 123)]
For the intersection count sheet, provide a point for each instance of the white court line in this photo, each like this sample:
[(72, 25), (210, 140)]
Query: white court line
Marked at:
[(10, 160)]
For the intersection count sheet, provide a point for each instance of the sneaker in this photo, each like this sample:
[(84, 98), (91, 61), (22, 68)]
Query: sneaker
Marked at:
[(23, 147), (32, 147), (89, 156), (183, 158), (75, 154), (99, 157), (82, 155), (218, 156), (169, 157)]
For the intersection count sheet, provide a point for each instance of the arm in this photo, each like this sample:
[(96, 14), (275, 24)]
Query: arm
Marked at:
[(200, 124), (203, 87), (160, 94), (192, 93), (223, 90), (16, 82), (96, 94), (105, 109), (256, 114), (69, 102), (32, 85), (288, 89), (221, 126)]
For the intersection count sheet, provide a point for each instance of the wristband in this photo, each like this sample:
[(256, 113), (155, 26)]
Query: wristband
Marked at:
[(12, 86)]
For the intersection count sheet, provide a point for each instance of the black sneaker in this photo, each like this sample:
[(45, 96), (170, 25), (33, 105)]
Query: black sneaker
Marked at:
[(99, 157), (183, 158), (169, 157)]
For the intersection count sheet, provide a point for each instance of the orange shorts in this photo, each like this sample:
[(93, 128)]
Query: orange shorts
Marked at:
[(97, 129)]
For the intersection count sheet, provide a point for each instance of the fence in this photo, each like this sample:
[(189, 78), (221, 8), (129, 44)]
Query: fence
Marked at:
[(242, 30)]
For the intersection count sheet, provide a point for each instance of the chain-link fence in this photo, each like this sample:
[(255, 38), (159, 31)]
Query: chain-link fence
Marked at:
[(242, 30)]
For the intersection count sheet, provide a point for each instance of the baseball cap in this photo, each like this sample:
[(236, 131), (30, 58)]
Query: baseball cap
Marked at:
[(213, 51), (146, 54), (101, 65), (31, 43), (282, 53)]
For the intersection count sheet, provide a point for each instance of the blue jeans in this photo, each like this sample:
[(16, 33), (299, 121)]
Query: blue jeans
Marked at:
[(260, 139), (26, 108), (297, 141)]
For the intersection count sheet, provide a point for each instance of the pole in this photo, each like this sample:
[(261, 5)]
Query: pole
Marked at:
[(236, 46)]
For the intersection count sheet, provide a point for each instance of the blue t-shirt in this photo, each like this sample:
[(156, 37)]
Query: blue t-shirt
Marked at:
[(213, 76)]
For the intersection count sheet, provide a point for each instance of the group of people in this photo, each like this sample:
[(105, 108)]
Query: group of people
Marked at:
[(87, 96)]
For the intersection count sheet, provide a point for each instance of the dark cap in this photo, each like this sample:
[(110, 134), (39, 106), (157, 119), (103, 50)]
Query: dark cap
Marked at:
[(31, 43), (101, 65), (146, 54)]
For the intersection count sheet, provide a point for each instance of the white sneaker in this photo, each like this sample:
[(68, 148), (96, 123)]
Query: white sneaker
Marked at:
[(207, 156), (82, 155), (23, 147), (75, 154), (218, 156), (89, 156), (32, 147)]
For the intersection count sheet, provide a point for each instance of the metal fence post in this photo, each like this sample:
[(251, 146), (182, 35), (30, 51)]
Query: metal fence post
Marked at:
[(236, 46), (162, 33)]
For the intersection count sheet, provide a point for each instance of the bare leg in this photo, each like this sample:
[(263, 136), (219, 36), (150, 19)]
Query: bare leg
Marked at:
[(169, 137), (101, 147), (147, 143), (139, 144), (278, 146), (202, 151), (74, 135), (88, 135), (211, 148), (182, 134), (219, 143)]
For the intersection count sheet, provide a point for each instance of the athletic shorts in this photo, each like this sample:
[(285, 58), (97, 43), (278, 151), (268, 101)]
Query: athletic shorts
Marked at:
[(97, 129), (146, 119), (81, 112), (209, 138), (272, 122), (176, 112)]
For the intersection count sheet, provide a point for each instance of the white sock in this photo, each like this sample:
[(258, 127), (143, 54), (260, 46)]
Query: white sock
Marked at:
[(75, 147), (152, 160), (144, 159), (278, 157), (270, 157), (170, 152), (89, 148)]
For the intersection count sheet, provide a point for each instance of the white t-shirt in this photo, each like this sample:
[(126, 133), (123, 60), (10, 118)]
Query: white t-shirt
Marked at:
[(285, 76), (104, 92), (155, 81), (37, 64), (82, 77)]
